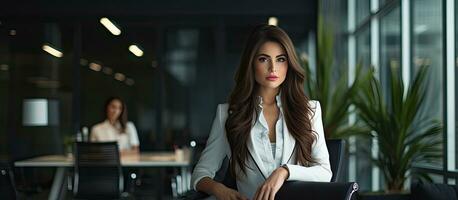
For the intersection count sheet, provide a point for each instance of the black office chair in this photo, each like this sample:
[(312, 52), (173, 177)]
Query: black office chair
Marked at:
[(98, 172), (7, 185), (336, 149), (301, 189)]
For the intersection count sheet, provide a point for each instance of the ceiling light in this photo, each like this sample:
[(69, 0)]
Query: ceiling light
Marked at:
[(273, 21), (52, 51), (83, 62), (4, 67), (110, 26), (94, 66), (107, 70), (119, 76), (135, 50), (130, 82)]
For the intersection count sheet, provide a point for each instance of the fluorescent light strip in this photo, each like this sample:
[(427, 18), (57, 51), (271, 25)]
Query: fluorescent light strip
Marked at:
[(110, 26), (273, 21), (136, 50), (52, 51)]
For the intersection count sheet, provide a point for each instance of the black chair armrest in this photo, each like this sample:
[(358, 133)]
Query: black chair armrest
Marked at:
[(193, 195), (317, 190), (304, 190)]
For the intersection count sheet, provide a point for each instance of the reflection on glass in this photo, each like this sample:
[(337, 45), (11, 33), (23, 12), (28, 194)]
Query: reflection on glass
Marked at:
[(363, 165), (427, 49), (456, 88), (390, 46), (362, 10), (363, 48)]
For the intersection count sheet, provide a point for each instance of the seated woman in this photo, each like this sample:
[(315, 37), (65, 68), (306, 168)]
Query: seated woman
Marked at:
[(116, 128), (269, 129)]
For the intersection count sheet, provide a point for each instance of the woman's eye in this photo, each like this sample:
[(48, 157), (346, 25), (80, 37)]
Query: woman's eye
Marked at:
[(262, 59), (281, 59)]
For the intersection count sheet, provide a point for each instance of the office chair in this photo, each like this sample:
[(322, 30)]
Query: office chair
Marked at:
[(98, 171), (336, 149), (7, 185), (301, 189)]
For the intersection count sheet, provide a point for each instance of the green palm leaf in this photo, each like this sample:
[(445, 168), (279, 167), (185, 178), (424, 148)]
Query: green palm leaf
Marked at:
[(403, 137)]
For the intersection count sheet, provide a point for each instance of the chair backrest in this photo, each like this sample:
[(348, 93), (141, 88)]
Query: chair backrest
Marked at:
[(336, 149), (98, 172), (7, 186)]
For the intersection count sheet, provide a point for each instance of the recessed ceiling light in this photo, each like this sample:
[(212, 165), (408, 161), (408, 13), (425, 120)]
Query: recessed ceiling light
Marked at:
[(4, 67), (110, 26), (107, 70), (94, 66), (119, 76), (130, 81), (273, 21), (154, 63), (52, 51), (83, 62), (136, 50)]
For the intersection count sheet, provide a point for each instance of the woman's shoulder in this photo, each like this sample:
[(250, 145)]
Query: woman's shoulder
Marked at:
[(99, 127), (314, 104), (222, 107), (129, 123)]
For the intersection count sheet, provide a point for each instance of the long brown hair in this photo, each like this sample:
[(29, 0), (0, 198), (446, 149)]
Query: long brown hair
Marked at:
[(123, 116), (243, 100)]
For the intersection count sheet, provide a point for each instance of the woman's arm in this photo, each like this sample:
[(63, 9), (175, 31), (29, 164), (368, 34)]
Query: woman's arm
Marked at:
[(212, 156), (93, 135), (135, 150), (217, 189)]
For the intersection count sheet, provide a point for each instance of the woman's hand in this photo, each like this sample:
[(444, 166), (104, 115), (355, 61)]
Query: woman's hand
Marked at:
[(224, 193), (271, 186)]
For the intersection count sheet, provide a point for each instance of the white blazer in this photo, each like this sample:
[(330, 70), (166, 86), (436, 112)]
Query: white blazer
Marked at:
[(218, 148)]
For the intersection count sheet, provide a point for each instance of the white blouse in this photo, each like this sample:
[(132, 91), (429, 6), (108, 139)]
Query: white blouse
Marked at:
[(268, 150), (106, 132)]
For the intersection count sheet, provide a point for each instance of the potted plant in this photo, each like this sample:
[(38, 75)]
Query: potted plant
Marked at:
[(403, 136), (335, 96)]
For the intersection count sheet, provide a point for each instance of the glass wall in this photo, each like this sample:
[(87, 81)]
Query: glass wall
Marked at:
[(33, 75), (363, 165), (390, 46), (427, 50), (408, 34), (363, 10)]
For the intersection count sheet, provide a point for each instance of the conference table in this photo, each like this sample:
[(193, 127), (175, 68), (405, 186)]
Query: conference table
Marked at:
[(143, 160)]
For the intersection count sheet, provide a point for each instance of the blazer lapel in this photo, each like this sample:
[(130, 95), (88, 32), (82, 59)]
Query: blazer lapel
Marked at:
[(255, 157), (289, 144)]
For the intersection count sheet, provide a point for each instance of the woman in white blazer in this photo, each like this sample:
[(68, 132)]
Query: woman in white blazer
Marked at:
[(269, 129), (117, 128)]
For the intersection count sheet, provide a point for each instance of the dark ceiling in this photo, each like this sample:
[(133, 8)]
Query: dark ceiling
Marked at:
[(159, 8)]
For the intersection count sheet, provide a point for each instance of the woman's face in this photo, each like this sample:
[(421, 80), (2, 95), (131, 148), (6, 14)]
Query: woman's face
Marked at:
[(114, 110), (270, 65)]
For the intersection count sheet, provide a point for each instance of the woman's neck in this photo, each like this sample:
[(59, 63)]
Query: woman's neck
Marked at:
[(112, 122), (268, 95)]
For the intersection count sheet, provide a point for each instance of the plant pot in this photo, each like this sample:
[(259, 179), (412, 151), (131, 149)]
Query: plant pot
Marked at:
[(384, 196)]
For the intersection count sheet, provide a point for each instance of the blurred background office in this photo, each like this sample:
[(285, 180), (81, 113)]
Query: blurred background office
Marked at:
[(171, 62), (174, 61)]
